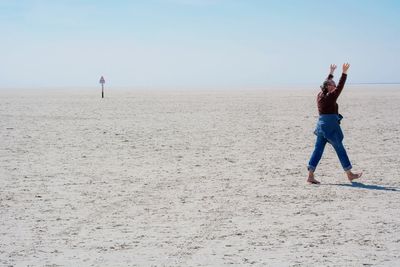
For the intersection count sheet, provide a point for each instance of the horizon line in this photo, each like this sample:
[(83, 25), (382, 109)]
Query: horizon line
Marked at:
[(187, 87), (142, 85)]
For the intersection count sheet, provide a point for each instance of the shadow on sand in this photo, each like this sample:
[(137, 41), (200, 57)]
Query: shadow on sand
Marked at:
[(367, 186)]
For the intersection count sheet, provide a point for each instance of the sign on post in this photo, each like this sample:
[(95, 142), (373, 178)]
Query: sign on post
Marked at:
[(102, 81)]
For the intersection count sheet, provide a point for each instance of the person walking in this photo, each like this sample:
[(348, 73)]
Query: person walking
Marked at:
[(328, 126)]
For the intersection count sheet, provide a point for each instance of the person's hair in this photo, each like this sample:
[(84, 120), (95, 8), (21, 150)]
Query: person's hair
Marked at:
[(324, 86)]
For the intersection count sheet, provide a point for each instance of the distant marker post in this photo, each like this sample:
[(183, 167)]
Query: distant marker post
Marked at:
[(102, 81)]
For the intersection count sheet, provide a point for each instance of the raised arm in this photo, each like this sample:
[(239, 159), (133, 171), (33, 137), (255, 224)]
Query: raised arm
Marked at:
[(342, 80), (332, 70), (346, 67)]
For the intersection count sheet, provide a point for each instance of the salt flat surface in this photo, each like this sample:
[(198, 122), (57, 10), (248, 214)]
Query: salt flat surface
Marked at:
[(195, 179)]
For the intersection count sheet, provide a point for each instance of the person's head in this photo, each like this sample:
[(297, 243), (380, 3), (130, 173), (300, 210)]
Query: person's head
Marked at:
[(328, 86)]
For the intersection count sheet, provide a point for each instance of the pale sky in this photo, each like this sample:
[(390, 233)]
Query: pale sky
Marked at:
[(196, 43)]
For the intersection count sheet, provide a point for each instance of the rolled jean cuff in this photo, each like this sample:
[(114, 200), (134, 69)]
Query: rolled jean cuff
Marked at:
[(348, 168), (311, 168)]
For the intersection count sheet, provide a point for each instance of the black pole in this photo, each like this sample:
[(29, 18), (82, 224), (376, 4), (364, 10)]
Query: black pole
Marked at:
[(102, 90)]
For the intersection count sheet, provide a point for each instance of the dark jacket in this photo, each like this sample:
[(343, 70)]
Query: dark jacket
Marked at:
[(327, 101)]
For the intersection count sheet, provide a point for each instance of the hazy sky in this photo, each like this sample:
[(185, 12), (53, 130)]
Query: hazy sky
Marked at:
[(196, 43)]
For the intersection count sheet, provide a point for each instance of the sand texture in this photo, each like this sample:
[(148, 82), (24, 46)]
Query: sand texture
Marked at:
[(196, 179)]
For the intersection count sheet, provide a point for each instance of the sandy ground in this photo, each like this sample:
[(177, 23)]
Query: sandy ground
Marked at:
[(196, 179)]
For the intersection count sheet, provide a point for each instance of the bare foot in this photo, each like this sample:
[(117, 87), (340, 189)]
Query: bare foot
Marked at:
[(311, 179), (352, 176)]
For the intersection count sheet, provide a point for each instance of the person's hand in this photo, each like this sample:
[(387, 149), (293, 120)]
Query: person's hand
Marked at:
[(346, 66), (333, 68)]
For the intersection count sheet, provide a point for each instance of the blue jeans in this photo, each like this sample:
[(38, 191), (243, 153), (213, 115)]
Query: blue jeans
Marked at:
[(328, 131)]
